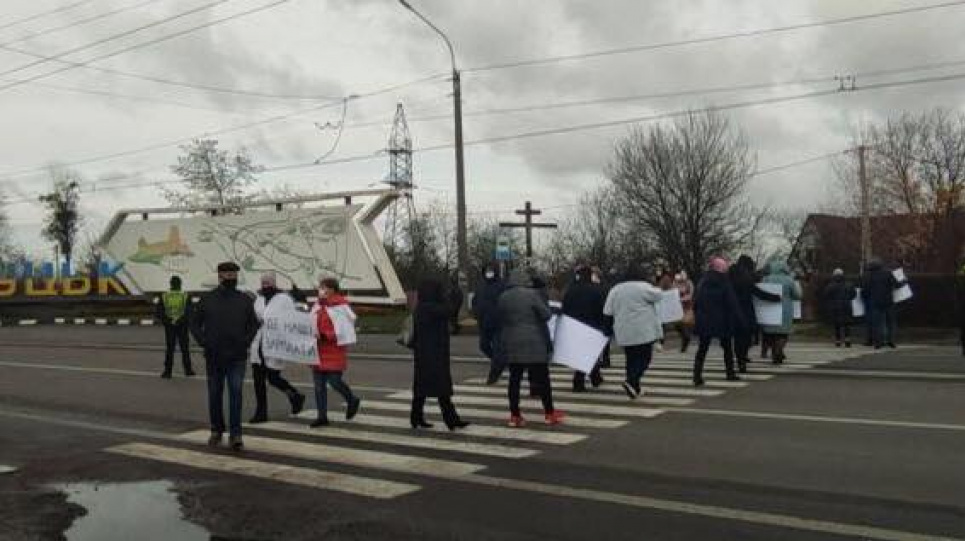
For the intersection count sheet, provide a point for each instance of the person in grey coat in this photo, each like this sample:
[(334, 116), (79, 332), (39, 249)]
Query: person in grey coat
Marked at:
[(636, 326), (526, 345)]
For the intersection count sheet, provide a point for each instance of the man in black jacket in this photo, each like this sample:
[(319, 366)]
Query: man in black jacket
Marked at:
[(584, 301), (878, 286), (484, 304), (224, 324)]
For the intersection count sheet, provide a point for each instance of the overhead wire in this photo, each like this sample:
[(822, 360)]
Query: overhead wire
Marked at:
[(34, 17), (73, 24), (712, 39)]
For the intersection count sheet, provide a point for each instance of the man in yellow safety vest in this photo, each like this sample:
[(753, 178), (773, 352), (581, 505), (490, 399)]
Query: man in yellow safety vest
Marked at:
[(173, 307)]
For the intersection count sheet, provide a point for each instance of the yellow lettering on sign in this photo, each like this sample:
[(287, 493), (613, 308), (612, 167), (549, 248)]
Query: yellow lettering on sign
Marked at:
[(31, 289), (76, 287), (8, 288), (108, 286)]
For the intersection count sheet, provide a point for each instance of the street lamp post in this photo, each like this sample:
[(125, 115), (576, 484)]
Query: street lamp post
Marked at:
[(462, 248)]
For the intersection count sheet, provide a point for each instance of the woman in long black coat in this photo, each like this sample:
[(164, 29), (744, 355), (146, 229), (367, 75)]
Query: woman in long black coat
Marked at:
[(430, 343)]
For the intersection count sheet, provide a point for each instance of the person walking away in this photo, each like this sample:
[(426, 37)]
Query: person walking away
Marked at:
[(718, 317), (636, 326), (685, 286), (485, 310), (524, 338), (778, 335), (173, 310), (584, 302), (664, 282), (456, 300), (270, 302), (743, 278), (838, 295), (596, 276), (877, 290), (332, 357), (431, 370), (224, 324)]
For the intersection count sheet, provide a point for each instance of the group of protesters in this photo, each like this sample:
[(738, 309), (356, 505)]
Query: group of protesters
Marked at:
[(513, 316)]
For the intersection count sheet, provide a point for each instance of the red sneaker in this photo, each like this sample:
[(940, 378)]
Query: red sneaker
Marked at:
[(555, 418), (516, 421)]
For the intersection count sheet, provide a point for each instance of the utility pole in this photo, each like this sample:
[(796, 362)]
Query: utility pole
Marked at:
[(528, 212), (865, 207), (462, 241)]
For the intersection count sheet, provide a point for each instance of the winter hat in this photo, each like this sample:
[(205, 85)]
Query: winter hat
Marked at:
[(718, 264)]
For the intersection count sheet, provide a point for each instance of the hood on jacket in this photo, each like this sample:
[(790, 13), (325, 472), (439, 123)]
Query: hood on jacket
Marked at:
[(874, 264), (778, 267), (745, 262), (431, 290)]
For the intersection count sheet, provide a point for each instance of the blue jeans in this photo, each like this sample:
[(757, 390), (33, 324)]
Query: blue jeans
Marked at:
[(234, 374), (638, 360), (322, 381)]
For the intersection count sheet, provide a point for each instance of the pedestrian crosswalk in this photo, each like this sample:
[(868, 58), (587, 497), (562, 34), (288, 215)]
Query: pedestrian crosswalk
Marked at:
[(377, 455)]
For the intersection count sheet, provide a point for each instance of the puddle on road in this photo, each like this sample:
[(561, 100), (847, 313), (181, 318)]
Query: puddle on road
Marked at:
[(147, 511)]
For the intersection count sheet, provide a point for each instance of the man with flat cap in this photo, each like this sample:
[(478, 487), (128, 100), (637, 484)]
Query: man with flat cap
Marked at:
[(224, 324)]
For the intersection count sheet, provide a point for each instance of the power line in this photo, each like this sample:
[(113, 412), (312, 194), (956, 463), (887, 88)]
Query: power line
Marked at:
[(230, 129), (712, 39), (146, 43), (114, 37), (36, 16), (73, 24)]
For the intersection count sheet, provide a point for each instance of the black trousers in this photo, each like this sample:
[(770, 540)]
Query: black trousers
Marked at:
[(449, 414), (539, 380), (742, 345), (579, 378), (177, 333), (262, 375), (725, 344), (842, 332)]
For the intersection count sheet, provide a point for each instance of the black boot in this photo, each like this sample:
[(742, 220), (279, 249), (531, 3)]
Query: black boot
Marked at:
[(297, 400), (259, 417)]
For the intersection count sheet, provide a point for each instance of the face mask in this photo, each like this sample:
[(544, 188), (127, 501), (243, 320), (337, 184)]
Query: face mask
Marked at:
[(490, 275), (322, 293), (230, 284)]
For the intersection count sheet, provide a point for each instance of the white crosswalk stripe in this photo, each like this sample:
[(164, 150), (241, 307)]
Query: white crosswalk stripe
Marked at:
[(598, 409), (582, 397), (461, 454), (500, 415), (416, 442), (431, 467), (309, 477)]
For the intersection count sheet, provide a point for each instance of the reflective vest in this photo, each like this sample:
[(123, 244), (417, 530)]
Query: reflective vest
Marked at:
[(175, 305)]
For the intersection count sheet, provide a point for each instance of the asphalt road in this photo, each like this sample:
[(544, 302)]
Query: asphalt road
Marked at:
[(839, 444)]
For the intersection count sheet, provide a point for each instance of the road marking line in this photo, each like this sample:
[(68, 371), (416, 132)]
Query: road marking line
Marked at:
[(710, 373), (147, 322), (886, 374), (100, 322), (418, 442), (59, 321), (309, 477), (649, 400), (618, 389), (686, 382), (497, 432), (784, 522), (360, 458), (123, 322), (821, 419), (79, 321), (500, 415), (599, 409), (27, 322)]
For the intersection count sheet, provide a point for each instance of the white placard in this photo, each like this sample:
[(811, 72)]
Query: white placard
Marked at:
[(798, 310), (577, 345), (904, 293), (670, 309), (770, 313), (343, 319), (290, 336), (857, 305)]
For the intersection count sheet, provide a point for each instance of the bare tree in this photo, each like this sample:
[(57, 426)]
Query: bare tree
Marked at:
[(211, 176), (7, 249), (684, 186), (63, 220)]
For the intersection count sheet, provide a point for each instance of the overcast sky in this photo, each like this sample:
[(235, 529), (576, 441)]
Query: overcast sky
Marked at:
[(276, 59)]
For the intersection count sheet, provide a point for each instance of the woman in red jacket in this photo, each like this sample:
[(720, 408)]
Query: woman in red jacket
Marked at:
[(332, 358)]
